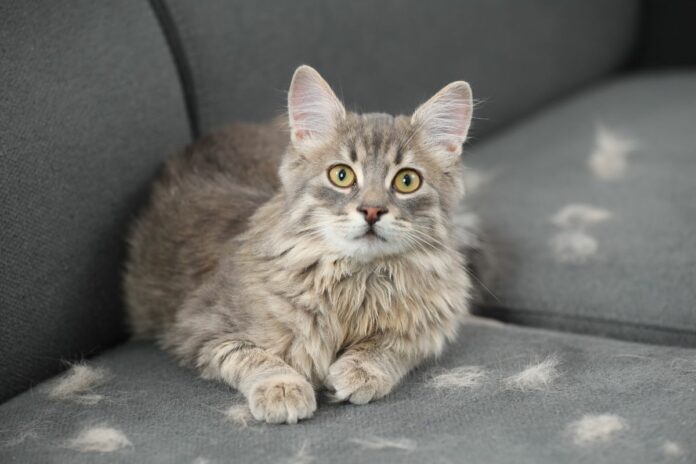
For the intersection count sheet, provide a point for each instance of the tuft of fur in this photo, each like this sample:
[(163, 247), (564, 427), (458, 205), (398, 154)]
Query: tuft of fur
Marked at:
[(672, 449), (536, 376), (460, 377), (99, 439), (592, 429), (608, 160), (380, 443), (250, 265), (579, 215), (574, 246), (302, 455), (239, 414), (78, 382)]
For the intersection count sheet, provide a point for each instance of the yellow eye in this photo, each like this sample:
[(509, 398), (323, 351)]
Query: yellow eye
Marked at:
[(341, 176), (407, 181)]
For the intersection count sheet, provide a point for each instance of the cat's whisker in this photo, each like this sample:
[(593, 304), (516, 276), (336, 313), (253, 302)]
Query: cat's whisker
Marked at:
[(431, 239)]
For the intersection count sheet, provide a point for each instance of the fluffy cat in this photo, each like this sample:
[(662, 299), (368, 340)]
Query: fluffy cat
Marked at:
[(280, 266)]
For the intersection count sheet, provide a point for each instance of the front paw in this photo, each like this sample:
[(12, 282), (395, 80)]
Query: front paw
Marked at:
[(357, 381), (282, 398)]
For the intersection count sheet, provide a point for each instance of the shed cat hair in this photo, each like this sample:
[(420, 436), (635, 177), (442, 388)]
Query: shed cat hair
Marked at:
[(281, 263)]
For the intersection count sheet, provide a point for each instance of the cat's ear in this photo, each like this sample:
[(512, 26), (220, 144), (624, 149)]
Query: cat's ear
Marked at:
[(313, 108), (444, 120)]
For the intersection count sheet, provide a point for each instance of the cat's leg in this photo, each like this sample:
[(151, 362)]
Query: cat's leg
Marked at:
[(369, 370), (215, 337), (275, 391)]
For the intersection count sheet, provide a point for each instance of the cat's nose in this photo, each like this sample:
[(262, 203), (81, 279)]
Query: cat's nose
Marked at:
[(372, 213)]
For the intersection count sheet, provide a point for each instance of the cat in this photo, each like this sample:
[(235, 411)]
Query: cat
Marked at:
[(283, 263)]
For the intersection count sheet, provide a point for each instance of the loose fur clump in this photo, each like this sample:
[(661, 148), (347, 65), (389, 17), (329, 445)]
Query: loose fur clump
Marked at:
[(284, 258), (574, 247), (302, 455), (608, 160), (596, 428), (460, 377), (239, 414), (672, 449), (99, 439), (536, 376), (78, 382), (380, 443), (579, 215), (573, 244)]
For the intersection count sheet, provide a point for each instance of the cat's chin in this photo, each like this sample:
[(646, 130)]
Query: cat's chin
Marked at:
[(369, 247)]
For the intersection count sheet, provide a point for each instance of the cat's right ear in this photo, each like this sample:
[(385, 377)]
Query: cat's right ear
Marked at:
[(313, 108)]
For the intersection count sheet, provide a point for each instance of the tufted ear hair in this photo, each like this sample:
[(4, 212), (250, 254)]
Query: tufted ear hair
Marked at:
[(444, 120), (313, 108)]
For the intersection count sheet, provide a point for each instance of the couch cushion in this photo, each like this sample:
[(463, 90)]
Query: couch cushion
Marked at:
[(390, 55), (90, 103), (593, 206), (169, 415)]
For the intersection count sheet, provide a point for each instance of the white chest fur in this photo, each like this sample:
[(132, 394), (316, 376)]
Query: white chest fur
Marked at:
[(330, 304)]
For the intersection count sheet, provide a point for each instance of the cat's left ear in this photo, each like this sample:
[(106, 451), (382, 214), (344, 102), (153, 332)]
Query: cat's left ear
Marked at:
[(313, 108), (444, 120)]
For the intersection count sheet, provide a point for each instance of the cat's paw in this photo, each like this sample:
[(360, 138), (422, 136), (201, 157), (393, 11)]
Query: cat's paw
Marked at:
[(282, 398), (357, 381)]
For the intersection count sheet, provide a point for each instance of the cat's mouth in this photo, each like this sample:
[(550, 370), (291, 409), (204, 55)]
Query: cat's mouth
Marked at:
[(372, 234)]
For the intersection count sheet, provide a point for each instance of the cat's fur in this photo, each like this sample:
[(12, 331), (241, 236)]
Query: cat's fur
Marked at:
[(250, 266)]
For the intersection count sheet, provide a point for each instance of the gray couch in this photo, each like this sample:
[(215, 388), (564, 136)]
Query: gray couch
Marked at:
[(583, 166)]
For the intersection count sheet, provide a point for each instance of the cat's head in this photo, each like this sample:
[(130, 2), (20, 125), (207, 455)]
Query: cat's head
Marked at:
[(371, 185)]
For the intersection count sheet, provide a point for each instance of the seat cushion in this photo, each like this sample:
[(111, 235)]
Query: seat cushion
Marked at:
[(592, 205), (90, 103), (390, 55), (641, 396)]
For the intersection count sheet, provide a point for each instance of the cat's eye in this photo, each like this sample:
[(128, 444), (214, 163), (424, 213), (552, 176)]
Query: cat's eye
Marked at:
[(407, 181), (342, 176)]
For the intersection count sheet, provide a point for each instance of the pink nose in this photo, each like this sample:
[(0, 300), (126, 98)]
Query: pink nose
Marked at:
[(372, 213)]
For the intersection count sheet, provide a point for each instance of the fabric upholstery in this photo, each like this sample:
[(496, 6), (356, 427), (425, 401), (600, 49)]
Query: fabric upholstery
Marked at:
[(639, 283), (170, 415), (90, 103), (391, 55)]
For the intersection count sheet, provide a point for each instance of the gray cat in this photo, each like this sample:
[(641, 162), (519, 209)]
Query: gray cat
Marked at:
[(329, 261)]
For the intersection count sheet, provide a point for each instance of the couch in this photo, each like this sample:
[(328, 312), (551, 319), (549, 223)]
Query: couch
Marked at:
[(582, 165)]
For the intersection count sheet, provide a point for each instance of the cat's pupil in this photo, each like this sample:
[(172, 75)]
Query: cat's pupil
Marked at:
[(407, 180), (342, 175)]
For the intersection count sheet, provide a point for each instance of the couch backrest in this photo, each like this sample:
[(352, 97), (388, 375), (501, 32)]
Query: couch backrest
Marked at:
[(389, 55), (90, 103)]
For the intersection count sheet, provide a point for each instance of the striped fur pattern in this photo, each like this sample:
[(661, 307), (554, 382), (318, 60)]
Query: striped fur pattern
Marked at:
[(253, 268)]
